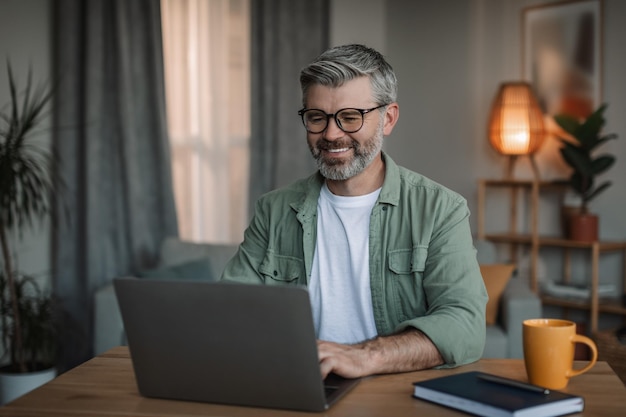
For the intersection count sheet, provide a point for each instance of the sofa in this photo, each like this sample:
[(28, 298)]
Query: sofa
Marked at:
[(177, 259), (515, 303), (187, 260)]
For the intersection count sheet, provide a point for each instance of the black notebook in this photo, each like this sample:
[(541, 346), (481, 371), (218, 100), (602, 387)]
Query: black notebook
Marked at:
[(478, 393)]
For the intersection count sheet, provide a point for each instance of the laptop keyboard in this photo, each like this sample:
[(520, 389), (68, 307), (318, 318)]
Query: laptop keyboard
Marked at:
[(332, 383), (329, 390)]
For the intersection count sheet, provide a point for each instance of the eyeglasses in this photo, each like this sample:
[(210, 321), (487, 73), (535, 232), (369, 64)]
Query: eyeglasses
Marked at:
[(348, 120)]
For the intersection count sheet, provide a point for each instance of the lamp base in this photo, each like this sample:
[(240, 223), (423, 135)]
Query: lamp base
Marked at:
[(511, 167)]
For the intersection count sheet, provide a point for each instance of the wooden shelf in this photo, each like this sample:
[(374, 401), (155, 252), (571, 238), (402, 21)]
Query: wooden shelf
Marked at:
[(555, 185), (559, 242), (533, 240), (607, 305)]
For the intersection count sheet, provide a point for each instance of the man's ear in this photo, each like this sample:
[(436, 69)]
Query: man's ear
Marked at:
[(391, 118)]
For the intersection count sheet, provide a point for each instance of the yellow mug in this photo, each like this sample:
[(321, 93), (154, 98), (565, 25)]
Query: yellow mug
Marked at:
[(549, 352)]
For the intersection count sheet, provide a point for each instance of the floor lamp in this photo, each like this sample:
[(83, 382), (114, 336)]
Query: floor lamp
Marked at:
[(516, 124)]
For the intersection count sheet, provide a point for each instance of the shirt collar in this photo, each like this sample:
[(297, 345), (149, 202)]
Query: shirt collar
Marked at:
[(390, 193)]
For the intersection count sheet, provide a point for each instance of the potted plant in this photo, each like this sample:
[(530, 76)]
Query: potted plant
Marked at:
[(583, 139), (27, 180)]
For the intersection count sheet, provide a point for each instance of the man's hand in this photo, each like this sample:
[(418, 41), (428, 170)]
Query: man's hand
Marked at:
[(349, 361), (410, 350)]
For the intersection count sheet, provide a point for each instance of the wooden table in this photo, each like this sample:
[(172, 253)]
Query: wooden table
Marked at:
[(612, 351), (105, 386)]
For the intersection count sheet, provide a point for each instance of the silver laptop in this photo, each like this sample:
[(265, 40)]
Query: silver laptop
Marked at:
[(248, 345)]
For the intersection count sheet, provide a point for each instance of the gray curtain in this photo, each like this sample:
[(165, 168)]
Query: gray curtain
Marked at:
[(286, 36), (111, 138)]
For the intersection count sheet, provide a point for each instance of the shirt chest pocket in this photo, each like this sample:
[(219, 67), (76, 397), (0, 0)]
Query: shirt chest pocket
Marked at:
[(405, 292), (280, 269), (408, 261)]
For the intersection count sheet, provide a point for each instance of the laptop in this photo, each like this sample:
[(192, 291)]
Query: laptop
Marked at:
[(216, 342)]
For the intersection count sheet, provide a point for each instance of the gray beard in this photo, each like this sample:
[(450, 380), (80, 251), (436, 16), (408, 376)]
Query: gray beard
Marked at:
[(334, 169)]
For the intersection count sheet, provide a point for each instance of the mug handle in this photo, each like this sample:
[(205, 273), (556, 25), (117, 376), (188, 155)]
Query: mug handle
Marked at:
[(594, 354)]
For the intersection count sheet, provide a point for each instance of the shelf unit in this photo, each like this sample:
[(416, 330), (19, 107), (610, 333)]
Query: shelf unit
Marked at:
[(532, 239)]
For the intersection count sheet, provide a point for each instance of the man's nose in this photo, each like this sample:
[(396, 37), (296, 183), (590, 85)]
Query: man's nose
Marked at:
[(332, 131)]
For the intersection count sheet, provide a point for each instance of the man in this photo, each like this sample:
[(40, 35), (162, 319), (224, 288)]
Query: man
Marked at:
[(386, 253)]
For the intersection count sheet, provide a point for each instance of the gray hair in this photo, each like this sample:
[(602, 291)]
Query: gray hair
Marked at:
[(341, 64)]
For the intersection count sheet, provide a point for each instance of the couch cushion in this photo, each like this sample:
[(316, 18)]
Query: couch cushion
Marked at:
[(496, 276), (175, 251), (496, 343), (199, 269)]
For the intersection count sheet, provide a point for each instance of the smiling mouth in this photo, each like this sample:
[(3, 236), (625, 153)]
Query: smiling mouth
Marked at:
[(337, 150)]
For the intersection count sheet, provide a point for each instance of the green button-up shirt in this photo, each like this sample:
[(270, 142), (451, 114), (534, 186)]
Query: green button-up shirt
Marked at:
[(423, 268)]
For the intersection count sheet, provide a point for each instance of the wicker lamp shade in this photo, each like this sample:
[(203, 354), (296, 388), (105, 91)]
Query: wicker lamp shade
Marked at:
[(516, 121)]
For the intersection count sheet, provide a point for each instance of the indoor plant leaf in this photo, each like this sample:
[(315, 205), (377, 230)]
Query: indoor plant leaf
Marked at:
[(604, 139), (577, 158), (567, 123), (577, 153), (602, 163), (27, 182), (581, 184), (598, 190), (588, 131)]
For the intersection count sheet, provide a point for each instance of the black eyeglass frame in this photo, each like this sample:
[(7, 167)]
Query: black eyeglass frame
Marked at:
[(363, 112)]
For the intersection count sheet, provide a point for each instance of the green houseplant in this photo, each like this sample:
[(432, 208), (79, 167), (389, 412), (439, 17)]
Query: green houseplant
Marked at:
[(578, 152), (27, 180), (36, 349)]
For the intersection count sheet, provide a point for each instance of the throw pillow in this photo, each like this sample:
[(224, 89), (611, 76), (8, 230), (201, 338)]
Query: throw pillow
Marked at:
[(496, 276), (197, 270)]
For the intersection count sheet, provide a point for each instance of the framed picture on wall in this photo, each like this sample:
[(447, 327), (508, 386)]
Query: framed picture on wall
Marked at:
[(562, 55)]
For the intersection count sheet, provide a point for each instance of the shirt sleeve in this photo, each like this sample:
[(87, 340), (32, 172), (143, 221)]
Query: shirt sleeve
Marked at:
[(454, 291), (244, 266)]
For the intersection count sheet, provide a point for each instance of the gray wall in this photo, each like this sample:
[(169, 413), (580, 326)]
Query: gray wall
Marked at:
[(450, 56)]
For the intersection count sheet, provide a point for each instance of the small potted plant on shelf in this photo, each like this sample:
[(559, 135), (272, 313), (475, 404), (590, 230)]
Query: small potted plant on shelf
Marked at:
[(27, 180), (582, 140)]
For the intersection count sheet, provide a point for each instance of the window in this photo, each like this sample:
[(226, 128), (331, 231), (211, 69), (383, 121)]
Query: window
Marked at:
[(207, 82)]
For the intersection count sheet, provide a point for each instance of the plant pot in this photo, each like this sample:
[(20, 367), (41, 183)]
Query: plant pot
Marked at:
[(566, 215), (571, 205), (14, 385), (583, 227)]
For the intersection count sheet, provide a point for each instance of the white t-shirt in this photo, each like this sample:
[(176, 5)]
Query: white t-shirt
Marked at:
[(340, 277)]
